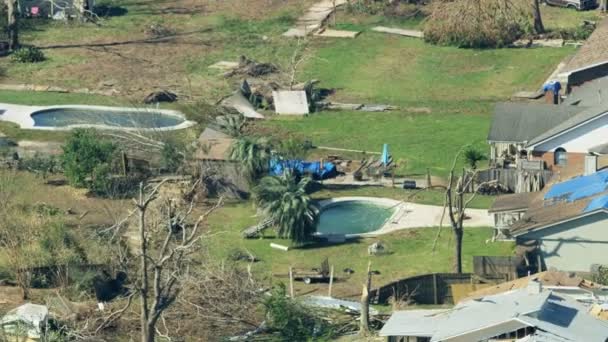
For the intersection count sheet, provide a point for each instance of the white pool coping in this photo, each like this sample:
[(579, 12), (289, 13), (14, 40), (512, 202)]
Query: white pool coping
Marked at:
[(22, 116), (409, 215)]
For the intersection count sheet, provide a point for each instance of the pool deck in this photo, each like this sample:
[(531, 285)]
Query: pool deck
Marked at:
[(412, 215), (22, 116)]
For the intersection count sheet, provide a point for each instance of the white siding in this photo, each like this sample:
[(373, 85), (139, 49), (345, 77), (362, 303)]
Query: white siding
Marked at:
[(574, 245), (580, 139)]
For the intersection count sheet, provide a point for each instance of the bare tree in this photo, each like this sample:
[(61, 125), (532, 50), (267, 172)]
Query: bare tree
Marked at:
[(364, 323), (166, 240), (456, 203), (161, 273), (13, 24)]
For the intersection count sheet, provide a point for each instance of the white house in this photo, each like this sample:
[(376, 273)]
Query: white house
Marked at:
[(568, 139)]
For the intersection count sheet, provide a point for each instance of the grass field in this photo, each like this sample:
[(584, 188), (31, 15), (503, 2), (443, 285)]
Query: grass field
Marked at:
[(411, 251), (445, 95), (438, 89)]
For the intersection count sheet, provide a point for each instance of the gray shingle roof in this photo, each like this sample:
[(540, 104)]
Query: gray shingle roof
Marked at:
[(593, 51), (522, 122), (589, 94), (583, 116)]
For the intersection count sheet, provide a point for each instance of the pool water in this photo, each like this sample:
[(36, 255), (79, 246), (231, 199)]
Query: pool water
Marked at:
[(353, 217), (64, 117)]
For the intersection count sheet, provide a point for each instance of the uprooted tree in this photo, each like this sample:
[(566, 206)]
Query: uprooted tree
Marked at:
[(481, 23)]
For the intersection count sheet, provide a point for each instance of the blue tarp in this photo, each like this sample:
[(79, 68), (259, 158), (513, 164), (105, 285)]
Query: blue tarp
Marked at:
[(579, 187), (327, 170), (553, 86), (597, 203)]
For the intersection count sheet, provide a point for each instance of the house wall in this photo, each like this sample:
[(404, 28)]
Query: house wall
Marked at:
[(580, 139), (503, 220), (575, 165), (574, 245)]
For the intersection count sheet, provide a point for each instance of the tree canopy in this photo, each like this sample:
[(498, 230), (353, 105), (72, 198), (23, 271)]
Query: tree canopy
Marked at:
[(286, 202), (86, 155)]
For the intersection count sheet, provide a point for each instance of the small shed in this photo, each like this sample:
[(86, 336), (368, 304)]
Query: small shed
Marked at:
[(28, 320)]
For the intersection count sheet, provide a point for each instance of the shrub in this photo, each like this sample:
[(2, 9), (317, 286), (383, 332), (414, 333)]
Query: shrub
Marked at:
[(478, 23), (172, 157), (366, 6), (293, 321), (28, 55), (86, 157), (40, 165), (577, 33)]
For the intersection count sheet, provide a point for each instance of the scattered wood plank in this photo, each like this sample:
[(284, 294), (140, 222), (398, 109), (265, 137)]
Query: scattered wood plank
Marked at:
[(398, 31), (337, 33)]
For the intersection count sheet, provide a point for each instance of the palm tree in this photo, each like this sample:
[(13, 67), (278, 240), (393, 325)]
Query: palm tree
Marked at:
[(473, 156), (285, 201), (254, 154)]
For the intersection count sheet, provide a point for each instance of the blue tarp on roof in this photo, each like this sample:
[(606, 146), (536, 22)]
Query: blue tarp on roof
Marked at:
[(315, 169), (579, 187), (597, 203)]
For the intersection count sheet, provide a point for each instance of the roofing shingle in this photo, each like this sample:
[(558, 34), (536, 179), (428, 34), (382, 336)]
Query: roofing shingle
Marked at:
[(594, 51), (522, 122), (581, 117), (512, 202)]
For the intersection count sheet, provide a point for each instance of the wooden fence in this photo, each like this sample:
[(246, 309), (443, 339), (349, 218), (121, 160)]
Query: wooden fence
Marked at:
[(515, 180), (507, 266), (431, 288)]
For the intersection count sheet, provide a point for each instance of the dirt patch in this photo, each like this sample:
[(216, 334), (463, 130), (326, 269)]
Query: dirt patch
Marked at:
[(123, 50)]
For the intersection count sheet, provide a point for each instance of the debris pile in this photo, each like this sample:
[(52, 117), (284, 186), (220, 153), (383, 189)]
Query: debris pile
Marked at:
[(249, 67)]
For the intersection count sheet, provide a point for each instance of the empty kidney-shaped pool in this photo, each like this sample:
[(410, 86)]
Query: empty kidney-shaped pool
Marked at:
[(353, 217)]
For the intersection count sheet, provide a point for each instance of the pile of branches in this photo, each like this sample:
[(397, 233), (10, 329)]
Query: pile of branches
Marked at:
[(478, 23)]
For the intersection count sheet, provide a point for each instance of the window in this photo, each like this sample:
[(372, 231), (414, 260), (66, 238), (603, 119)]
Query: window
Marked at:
[(561, 157)]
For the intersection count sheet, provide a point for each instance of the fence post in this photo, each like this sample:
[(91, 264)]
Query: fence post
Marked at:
[(435, 298), (291, 281), (331, 280)]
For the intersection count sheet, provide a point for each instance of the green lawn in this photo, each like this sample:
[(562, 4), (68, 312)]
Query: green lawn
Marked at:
[(411, 251), (51, 98), (457, 86)]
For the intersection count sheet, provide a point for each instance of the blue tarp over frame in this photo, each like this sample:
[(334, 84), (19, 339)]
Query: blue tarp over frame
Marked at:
[(315, 169)]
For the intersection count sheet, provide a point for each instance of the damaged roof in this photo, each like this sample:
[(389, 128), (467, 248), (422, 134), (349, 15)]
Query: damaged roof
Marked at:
[(547, 278), (522, 122), (513, 202), (494, 315)]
